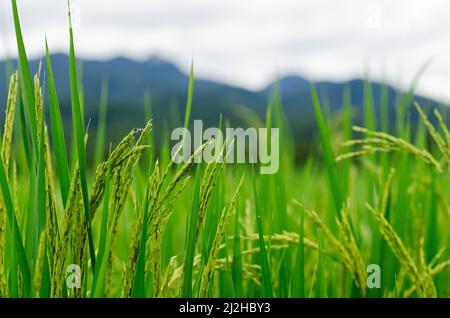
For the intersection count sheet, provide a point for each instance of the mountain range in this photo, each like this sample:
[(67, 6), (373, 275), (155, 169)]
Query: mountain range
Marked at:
[(129, 81)]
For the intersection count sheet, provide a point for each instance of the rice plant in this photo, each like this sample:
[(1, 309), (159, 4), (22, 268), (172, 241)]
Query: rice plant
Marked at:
[(135, 224)]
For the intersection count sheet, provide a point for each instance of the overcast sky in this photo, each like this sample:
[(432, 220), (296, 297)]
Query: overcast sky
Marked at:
[(251, 42)]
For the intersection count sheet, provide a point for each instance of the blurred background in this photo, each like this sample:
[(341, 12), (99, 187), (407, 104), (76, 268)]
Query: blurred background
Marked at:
[(243, 52)]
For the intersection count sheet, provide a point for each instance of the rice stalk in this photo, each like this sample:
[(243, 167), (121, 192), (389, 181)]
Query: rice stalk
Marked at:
[(345, 246), (5, 154), (400, 252), (61, 254), (221, 229)]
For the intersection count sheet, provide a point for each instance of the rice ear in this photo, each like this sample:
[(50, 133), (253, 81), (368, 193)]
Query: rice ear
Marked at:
[(9, 121)]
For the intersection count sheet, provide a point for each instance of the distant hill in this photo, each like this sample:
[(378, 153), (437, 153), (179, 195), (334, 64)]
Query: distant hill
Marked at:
[(129, 80)]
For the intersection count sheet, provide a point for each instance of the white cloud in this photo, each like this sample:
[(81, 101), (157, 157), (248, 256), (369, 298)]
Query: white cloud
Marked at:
[(250, 42)]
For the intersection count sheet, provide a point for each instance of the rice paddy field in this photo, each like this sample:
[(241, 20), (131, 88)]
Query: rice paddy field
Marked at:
[(365, 216)]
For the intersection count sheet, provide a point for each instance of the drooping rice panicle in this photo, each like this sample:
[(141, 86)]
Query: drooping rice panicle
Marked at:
[(359, 272), (443, 127), (400, 251), (435, 135), (400, 144)]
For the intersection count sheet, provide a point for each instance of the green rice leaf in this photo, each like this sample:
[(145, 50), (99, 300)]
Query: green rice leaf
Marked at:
[(25, 77), (187, 114), (78, 124), (266, 276), (101, 128), (62, 163), (334, 184), (186, 291)]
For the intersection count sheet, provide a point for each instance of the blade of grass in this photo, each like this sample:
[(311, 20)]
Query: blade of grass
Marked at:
[(148, 112), (191, 239), (369, 108), (432, 239), (138, 289), (101, 128), (347, 119), (266, 277), (298, 283), (236, 269), (407, 98), (62, 163), (330, 163), (78, 124), (322, 283), (187, 114), (25, 77)]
